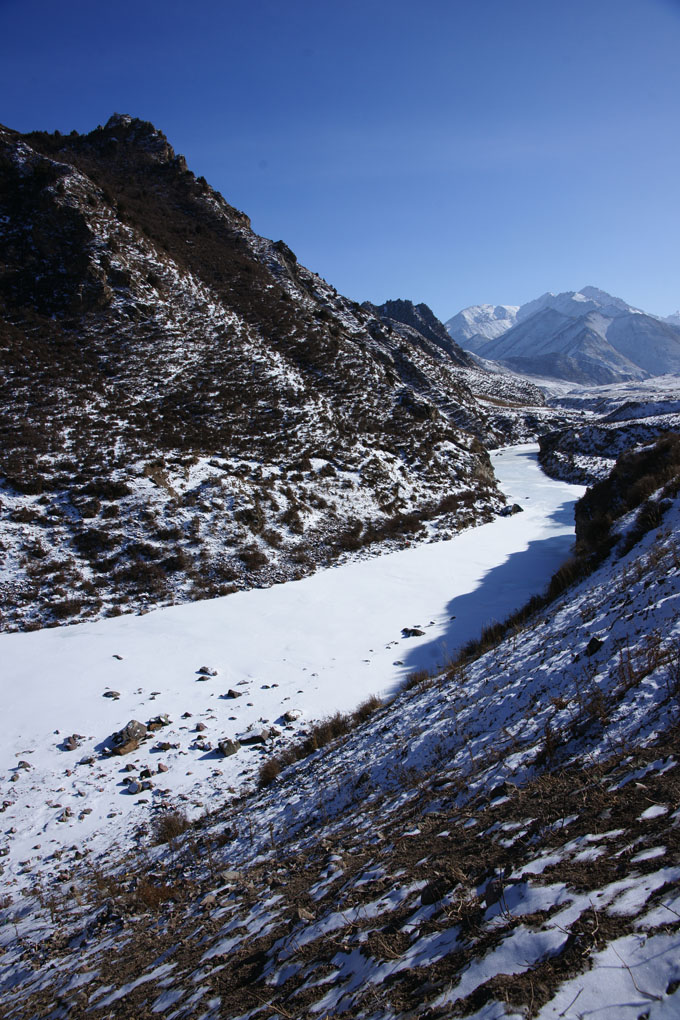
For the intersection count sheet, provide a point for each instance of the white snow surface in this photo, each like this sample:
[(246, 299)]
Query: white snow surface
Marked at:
[(317, 645)]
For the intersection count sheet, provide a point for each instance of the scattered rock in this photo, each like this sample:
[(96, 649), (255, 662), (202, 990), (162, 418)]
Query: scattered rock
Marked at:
[(255, 737), (127, 739), (510, 511), (233, 694), (114, 695), (304, 914), (116, 656), (158, 722), (412, 632), (200, 727), (593, 646), (228, 747), (162, 767), (292, 714), (206, 671), (24, 764), (72, 742)]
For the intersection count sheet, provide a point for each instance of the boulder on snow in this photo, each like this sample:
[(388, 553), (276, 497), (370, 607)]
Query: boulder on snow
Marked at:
[(412, 632), (593, 646), (205, 671), (255, 736), (72, 742), (510, 511), (127, 739), (228, 747), (158, 722), (292, 715), (233, 694)]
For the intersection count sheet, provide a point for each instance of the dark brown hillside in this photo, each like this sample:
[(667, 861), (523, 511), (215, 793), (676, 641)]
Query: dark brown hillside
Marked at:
[(258, 423)]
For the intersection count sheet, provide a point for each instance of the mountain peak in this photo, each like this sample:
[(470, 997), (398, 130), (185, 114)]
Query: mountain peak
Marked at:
[(585, 336)]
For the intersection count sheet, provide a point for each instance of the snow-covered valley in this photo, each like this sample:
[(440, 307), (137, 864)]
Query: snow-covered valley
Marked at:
[(498, 840), (315, 646)]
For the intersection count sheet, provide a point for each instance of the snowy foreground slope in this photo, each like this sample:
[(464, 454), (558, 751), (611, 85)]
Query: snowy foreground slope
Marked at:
[(501, 840), (314, 646)]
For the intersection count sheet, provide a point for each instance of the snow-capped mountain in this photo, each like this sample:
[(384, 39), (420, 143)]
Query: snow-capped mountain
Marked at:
[(585, 336), (476, 325)]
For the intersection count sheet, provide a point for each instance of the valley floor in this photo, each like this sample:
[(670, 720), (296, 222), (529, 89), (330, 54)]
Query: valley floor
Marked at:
[(498, 841), (315, 646)]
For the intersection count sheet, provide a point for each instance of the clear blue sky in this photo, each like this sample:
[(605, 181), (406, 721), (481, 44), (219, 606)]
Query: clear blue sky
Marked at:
[(448, 151)]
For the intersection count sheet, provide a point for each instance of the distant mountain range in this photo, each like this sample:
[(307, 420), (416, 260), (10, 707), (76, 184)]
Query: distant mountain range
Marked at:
[(585, 336)]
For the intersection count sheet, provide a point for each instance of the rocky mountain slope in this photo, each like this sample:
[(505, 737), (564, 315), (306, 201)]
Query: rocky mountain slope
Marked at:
[(585, 336), (618, 418), (186, 410), (499, 841)]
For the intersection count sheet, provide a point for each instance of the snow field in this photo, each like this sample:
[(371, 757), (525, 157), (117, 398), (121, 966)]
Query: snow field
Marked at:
[(319, 645)]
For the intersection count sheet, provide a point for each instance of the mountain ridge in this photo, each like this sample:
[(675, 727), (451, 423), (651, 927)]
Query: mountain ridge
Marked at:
[(586, 336), (186, 409)]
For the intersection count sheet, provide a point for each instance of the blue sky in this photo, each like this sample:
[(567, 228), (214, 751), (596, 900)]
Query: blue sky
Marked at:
[(445, 151)]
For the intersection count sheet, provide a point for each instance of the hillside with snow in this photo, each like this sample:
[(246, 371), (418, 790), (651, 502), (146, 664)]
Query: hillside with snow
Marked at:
[(329, 689), (587, 337), (498, 838), (187, 411)]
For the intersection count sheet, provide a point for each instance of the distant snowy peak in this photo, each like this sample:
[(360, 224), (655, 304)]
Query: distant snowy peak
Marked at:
[(585, 336), (673, 319), (472, 327)]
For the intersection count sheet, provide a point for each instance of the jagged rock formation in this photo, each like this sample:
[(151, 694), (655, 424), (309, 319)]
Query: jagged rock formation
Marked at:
[(416, 321), (185, 408), (584, 336)]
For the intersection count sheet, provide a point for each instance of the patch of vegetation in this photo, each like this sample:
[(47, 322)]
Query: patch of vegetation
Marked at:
[(320, 734)]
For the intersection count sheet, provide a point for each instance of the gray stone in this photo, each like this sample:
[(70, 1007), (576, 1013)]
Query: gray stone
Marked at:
[(228, 747), (255, 737), (593, 646), (133, 730)]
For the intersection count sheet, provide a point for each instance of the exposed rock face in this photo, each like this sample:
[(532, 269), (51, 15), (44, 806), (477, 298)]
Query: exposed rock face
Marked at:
[(184, 408), (420, 321)]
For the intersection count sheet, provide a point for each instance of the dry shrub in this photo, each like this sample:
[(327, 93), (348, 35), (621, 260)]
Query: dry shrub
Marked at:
[(169, 825), (415, 679), (269, 771), (321, 733), (148, 896)]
